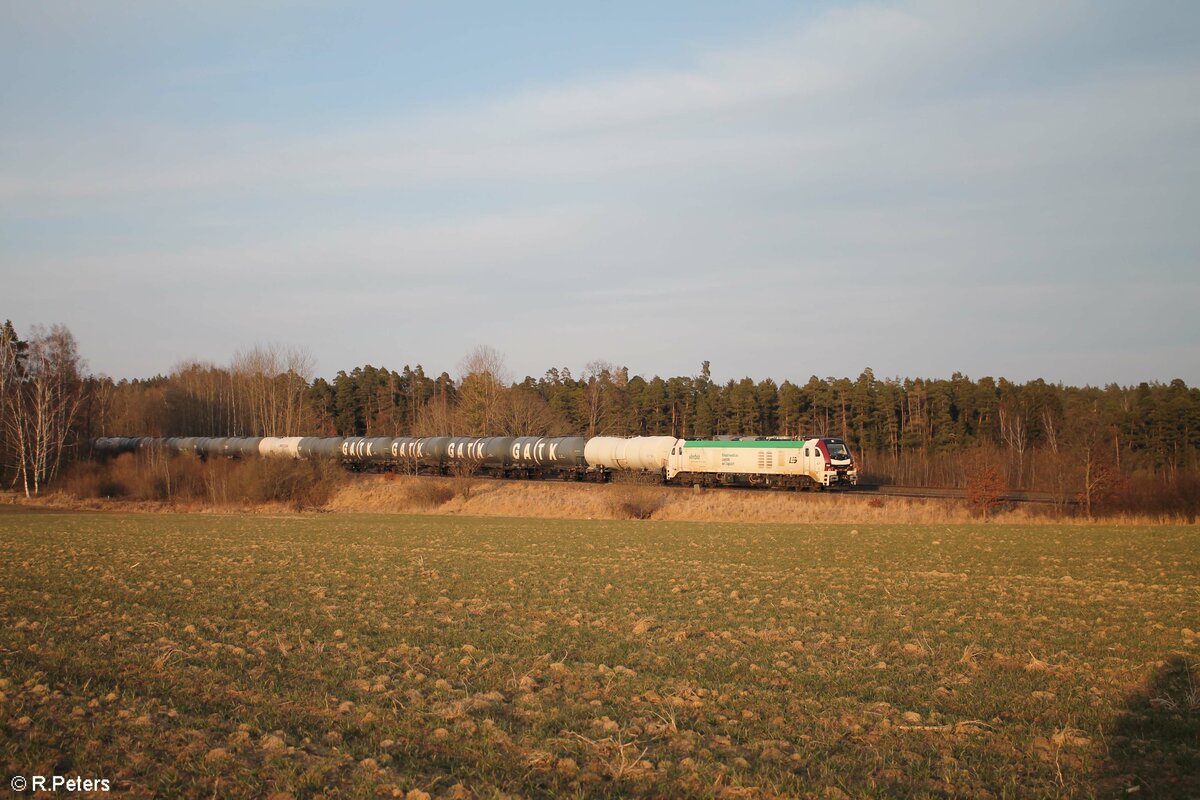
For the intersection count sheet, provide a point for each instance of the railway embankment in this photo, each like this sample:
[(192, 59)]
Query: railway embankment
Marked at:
[(481, 497), (565, 500)]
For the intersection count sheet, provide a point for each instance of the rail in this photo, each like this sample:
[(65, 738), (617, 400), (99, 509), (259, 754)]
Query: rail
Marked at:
[(960, 494)]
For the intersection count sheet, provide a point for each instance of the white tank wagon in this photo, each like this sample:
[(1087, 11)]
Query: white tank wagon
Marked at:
[(637, 454), (786, 463), (278, 447)]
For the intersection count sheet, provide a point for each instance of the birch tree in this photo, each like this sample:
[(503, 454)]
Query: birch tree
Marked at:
[(44, 391), (11, 427)]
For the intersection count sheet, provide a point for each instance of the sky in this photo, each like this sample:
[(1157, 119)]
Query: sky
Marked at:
[(782, 189)]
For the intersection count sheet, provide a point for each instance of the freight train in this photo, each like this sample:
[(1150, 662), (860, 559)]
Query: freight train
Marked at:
[(802, 463)]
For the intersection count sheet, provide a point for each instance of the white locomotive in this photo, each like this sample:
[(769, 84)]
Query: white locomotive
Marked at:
[(794, 463)]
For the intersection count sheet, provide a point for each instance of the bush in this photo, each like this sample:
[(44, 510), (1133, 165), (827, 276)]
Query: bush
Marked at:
[(465, 477), (630, 502), (1175, 496), (427, 492), (85, 479), (985, 489), (153, 475), (301, 484)]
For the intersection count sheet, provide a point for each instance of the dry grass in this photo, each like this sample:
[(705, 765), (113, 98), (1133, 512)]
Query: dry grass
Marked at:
[(393, 494), (262, 485), (569, 500)]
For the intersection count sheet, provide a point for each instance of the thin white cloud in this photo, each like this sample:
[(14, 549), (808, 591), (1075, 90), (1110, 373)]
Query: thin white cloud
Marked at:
[(761, 101), (892, 159)]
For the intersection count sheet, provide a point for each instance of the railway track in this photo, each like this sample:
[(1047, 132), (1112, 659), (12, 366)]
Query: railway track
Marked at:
[(957, 494), (889, 490)]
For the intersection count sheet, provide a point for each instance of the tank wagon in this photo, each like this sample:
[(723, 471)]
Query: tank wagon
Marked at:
[(803, 463)]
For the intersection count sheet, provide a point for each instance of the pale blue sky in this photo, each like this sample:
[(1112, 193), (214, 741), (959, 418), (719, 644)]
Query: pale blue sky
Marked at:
[(783, 189)]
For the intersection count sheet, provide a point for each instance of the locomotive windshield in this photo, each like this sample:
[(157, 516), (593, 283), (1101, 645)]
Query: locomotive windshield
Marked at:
[(837, 451)]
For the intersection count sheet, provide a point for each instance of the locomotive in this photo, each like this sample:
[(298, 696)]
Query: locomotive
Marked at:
[(801, 463)]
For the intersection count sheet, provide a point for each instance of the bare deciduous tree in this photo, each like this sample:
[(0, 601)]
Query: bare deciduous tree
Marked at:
[(482, 391), (1050, 426), (273, 379), (10, 362), (526, 414), (44, 391), (1016, 435), (1088, 439), (436, 418), (599, 377)]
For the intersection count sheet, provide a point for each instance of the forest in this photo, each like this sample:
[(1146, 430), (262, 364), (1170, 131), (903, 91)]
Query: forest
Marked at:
[(1118, 447)]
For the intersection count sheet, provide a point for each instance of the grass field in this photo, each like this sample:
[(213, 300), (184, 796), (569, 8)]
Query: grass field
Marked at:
[(223, 655)]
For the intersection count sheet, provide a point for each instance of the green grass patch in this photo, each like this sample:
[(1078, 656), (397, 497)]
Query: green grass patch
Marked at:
[(362, 656)]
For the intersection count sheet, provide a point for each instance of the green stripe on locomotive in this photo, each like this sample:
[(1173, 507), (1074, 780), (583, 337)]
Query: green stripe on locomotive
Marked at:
[(764, 444)]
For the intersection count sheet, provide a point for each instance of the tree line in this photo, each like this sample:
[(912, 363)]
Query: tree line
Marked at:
[(1080, 442)]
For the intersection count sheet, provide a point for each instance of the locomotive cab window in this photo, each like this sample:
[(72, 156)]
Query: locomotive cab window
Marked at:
[(837, 450)]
